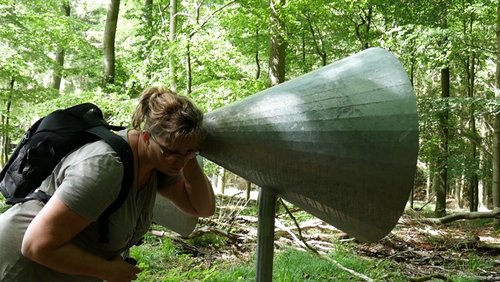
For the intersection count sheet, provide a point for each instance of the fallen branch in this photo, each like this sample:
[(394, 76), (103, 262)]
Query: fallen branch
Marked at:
[(430, 277), (337, 264), (282, 227), (462, 215)]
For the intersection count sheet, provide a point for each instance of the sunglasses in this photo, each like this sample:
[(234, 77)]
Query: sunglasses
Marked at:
[(171, 154)]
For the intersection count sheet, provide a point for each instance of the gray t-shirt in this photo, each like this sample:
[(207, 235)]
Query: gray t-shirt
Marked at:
[(88, 180)]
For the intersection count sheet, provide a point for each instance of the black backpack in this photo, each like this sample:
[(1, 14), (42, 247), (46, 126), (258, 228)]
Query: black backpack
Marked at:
[(48, 141)]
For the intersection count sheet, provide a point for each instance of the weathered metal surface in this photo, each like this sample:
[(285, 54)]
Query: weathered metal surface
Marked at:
[(340, 142)]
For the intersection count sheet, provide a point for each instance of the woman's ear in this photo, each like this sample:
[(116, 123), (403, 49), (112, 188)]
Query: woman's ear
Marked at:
[(145, 135)]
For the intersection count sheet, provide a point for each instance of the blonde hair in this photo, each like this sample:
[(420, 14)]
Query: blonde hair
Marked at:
[(168, 116)]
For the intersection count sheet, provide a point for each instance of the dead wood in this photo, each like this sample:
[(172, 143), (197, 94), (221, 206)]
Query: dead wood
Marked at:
[(462, 215), (302, 242), (430, 277), (417, 243)]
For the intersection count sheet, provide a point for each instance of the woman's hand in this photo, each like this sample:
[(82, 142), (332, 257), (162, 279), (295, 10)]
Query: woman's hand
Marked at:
[(192, 193), (122, 271)]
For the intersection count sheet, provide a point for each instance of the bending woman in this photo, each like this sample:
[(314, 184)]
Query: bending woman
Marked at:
[(58, 241)]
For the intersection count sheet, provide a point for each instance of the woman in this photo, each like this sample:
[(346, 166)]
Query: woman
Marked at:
[(58, 241)]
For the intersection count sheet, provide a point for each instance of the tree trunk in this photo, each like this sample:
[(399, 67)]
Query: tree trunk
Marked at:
[(473, 179), (109, 42), (5, 124), (319, 46), (362, 28), (189, 79), (277, 44), (428, 183), (148, 13), (462, 215), (442, 167), (172, 38), (57, 76), (457, 192), (221, 180), (249, 190), (470, 68), (496, 126), (412, 78), (59, 66), (147, 17), (257, 59), (481, 195)]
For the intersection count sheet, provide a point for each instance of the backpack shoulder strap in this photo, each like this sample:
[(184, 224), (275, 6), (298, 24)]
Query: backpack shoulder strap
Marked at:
[(124, 151)]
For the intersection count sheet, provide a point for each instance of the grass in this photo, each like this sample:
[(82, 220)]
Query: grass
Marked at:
[(160, 261)]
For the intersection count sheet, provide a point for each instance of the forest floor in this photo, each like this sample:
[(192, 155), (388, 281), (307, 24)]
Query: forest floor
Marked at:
[(421, 251), (439, 251)]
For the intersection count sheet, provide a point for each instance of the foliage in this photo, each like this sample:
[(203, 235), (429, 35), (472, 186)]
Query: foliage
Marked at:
[(225, 44), (209, 239), (3, 205), (228, 50)]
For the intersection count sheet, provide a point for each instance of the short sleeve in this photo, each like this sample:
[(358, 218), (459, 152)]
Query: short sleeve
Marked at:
[(90, 185)]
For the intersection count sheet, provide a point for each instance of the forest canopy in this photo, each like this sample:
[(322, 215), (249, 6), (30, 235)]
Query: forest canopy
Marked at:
[(58, 53)]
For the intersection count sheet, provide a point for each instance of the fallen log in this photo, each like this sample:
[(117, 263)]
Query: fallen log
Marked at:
[(462, 215)]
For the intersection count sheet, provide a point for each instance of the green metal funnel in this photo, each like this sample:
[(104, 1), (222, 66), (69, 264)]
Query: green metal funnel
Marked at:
[(340, 142)]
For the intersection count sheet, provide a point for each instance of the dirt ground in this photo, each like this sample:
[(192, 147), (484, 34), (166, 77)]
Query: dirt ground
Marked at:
[(439, 251)]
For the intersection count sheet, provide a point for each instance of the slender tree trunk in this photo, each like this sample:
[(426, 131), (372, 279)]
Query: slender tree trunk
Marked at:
[(481, 188), (257, 59), (5, 124), (481, 194), (277, 43), (109, 41), (412, 77), (148, 13), (428, 185), (198, 7), (59, 66), (188, 67), (442, 185), (303, 51), (459, 191), (249, 190), (319, 46), (172, 38), (473, 179), (496, 126), (147, 16), (57, 76), (362, 28), (470, 63), (442, 167), (221, 180)]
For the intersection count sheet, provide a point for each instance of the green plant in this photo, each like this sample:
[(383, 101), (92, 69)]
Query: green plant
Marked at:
[(209, 239)]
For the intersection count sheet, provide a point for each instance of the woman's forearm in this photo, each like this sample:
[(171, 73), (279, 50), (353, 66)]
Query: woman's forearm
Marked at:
[(192, 192), (198, 189), (68, 259), (48, 241)]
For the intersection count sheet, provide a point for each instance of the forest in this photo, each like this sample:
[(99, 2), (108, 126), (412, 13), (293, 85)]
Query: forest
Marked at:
[(57, 53)]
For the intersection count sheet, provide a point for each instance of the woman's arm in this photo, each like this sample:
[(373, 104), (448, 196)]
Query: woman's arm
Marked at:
[(192, 193), (47, 241)]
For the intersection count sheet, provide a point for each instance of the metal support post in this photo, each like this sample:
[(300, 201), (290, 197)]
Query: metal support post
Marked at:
[(265, 235)]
